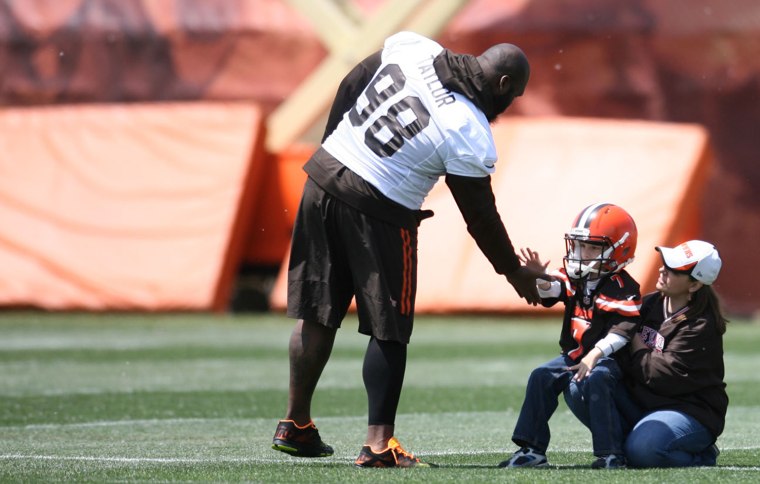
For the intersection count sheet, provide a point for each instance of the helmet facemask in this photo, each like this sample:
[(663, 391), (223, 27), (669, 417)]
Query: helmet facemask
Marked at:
[(580, 266)]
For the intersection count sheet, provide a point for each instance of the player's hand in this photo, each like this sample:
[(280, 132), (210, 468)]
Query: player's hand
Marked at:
[(523, 279)]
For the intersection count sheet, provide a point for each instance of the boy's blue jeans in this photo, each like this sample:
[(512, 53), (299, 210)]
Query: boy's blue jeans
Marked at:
[(545, 384), (592, 401)]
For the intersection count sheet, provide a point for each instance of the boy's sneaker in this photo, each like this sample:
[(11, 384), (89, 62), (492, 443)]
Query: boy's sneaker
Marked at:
[(526, 457), (611, 461), (299, 441), (393, 456)]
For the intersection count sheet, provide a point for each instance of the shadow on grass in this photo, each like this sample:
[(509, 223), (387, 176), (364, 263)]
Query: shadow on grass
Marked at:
[(496, 466)]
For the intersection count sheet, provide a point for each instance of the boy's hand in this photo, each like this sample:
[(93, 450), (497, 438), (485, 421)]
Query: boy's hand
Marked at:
[(533, 262), (531, 259), (587, 363)]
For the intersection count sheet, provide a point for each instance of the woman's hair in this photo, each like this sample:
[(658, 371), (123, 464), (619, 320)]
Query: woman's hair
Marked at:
[(705, 300)]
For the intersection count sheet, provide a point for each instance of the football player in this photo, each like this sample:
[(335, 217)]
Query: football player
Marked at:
[(405, 117)]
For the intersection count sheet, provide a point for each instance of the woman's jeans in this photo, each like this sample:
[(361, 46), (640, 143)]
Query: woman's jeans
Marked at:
[(668, 438), (662, 438)]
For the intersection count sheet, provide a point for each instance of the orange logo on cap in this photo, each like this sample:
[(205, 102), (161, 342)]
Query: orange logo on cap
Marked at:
[(687, 251)]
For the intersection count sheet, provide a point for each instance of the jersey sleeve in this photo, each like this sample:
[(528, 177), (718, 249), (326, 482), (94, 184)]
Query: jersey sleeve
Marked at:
[(470, 146), (476, 202), (611, 343), (553, 292), (350, 89), (620, 301), (562, 295)]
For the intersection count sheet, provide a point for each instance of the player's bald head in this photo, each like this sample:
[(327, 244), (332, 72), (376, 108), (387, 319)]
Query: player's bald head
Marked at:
[(506, 59), (506, 70)]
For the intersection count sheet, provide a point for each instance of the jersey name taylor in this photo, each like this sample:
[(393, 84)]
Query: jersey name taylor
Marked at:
[(407, 130)]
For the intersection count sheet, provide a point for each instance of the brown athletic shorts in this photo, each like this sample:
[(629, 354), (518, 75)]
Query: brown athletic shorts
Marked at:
[(339, 253)]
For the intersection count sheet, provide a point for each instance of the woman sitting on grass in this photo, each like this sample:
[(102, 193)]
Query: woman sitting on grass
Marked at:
[(673, 396)]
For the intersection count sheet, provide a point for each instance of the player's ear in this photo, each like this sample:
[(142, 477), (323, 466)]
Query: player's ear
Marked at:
[(504, 84)]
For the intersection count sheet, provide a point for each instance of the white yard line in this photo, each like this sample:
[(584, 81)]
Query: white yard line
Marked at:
[(263, 460)]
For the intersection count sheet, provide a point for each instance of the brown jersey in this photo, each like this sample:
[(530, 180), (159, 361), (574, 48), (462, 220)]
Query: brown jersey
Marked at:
[(612, 307)]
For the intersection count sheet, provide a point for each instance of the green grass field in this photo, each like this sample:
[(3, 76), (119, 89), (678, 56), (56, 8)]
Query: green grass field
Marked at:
[(103, 397)]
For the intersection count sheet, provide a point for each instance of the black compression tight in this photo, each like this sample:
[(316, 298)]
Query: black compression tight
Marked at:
[(383, 372)]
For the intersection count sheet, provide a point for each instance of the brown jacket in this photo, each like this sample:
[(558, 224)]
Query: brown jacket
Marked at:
[(679, 366)]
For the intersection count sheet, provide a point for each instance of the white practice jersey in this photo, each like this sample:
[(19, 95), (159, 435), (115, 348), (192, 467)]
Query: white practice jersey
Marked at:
[(407, 130)]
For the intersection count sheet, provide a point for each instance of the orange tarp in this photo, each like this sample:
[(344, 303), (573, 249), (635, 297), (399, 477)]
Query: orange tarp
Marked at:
[(139, 207), (548, 170), (646, 59), (276, 206)]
